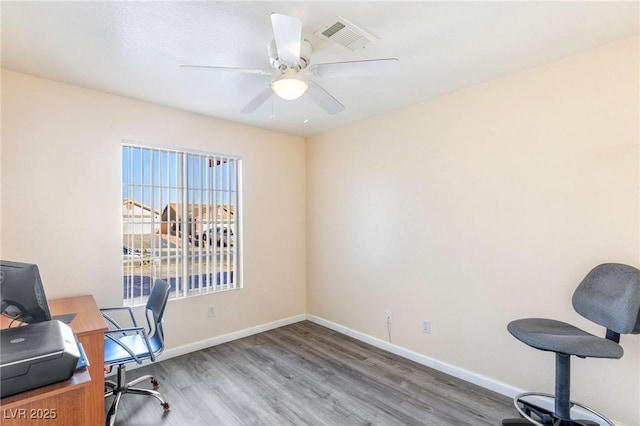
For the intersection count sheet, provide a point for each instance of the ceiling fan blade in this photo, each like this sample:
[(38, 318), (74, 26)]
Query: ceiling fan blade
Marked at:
[(324, 99), (369, 68), (256, 102), (287, 32), (226, 69)]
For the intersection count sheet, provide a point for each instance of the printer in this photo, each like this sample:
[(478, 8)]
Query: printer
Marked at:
[(36, 355)]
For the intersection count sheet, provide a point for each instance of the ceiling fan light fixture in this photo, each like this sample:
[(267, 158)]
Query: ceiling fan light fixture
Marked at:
[(289, 86)]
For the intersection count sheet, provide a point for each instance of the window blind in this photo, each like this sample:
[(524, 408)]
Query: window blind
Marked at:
[(180, 222)]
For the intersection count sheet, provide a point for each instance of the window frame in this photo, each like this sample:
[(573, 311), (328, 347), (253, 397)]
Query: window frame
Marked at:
[(202, 197)]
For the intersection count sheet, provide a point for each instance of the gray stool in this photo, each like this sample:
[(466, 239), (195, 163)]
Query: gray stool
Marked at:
[(609, 296)]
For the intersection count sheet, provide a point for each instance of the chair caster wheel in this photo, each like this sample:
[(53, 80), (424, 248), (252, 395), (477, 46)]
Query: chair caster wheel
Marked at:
[(516, 422), (165, 407), (155, 384)]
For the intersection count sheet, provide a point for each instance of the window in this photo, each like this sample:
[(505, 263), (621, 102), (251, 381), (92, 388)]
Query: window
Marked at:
[(179, 222)]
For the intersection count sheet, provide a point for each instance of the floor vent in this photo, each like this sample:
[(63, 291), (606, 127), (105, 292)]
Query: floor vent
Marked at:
[(345, 34)]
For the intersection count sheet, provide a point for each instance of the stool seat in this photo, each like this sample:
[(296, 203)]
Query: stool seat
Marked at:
[(609, 295), (557, 336)]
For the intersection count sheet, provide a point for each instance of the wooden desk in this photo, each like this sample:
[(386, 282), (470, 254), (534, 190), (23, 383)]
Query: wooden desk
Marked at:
[(79, 400)]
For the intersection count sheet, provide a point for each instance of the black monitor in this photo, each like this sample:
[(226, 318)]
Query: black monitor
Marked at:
[(21, 292)]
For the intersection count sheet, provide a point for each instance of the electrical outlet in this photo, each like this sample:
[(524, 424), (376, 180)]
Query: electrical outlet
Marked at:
[(388, 317), (212, 311), (426, 326)]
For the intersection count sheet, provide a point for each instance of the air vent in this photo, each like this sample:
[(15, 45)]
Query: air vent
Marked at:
[(345, 34)]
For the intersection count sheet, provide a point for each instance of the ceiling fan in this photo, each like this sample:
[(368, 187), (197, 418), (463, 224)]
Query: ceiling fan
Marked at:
[(290, 55)]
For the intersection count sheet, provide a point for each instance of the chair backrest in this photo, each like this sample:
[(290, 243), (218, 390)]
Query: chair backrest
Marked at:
[(610, 296), (155, 309)]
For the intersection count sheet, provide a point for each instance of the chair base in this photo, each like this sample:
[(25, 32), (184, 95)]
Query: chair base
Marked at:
[(120, 387), (524, 422), (533, 414)]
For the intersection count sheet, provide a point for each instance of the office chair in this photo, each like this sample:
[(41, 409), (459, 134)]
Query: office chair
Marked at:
[(609, 296), (123, 345)]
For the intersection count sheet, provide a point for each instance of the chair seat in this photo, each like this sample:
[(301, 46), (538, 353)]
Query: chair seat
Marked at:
[(115, 354), (558, 336)]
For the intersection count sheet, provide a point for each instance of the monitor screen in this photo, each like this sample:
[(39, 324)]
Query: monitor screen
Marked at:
[(21, 293)]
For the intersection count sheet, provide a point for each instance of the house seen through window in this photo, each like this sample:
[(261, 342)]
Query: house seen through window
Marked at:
[(179, 222)]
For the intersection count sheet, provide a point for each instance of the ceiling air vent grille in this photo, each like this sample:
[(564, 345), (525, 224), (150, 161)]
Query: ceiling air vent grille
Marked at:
[(345, 34)]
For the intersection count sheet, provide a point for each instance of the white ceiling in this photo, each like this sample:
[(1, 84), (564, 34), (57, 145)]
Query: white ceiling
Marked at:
[(134, 49)]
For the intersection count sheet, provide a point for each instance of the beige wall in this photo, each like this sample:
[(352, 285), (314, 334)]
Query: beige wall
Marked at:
[(469, 210), (61, 197), (480, 207)]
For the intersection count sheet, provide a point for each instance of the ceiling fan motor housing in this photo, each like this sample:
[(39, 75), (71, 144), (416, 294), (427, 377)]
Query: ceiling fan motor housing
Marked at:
[(305, 56)]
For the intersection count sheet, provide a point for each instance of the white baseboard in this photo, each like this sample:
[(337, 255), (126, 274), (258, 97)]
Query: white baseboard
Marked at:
[(485, 382), (468, 376), (203, 344), (192, 347)]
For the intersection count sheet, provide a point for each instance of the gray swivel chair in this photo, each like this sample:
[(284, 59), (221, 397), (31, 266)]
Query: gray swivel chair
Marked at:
[(609, 296), (123, 345)]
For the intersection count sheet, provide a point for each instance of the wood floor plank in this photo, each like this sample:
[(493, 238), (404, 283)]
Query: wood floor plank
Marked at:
[(306, 374)]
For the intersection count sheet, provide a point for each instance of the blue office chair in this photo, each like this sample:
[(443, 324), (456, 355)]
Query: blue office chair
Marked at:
[(123, 345), (609, 296)]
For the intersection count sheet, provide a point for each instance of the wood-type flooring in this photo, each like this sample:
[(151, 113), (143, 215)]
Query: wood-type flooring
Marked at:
[(306, 374)]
